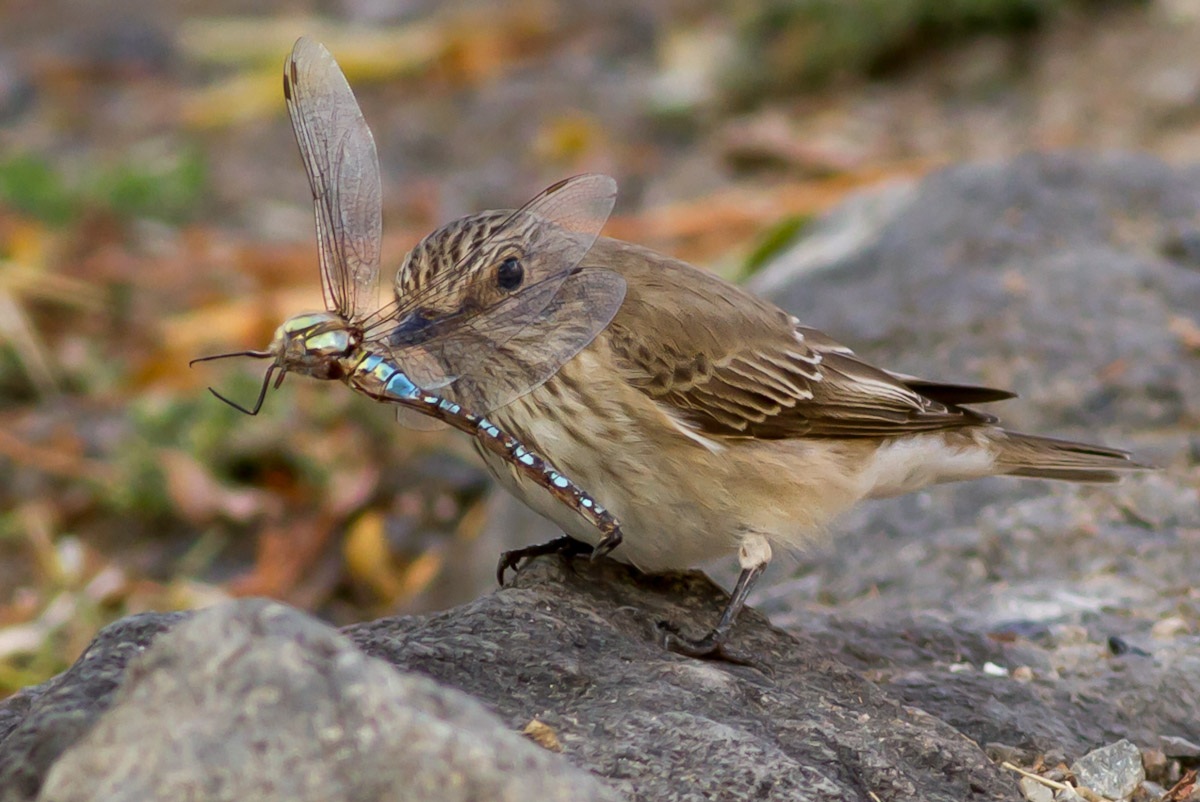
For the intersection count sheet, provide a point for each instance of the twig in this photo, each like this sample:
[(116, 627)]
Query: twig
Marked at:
[(1086, 793), (1046, 781)]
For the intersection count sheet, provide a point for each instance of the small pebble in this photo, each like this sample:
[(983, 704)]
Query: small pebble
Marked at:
[(993, 670), (1114, 771), (1034, 791), (1022, 674), (1175, 746), (1154, 762), (1169, 627), (1003, 753), (1056, 774), (1151, 790), (1069, 635), (1119, 646), (1054, 757)]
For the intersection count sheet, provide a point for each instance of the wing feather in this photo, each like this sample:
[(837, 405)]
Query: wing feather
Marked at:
[(728, 364)]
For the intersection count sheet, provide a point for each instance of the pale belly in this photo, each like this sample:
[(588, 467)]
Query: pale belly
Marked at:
[(662, 527), (679, 502)]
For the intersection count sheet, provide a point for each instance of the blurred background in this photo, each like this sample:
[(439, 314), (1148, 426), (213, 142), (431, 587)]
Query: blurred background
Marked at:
[(153, 208)]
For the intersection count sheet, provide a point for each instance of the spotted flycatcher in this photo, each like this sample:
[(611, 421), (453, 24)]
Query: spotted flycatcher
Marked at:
[(708, 420)]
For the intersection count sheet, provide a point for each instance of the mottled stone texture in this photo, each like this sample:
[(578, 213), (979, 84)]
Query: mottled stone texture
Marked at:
[(255, 701)]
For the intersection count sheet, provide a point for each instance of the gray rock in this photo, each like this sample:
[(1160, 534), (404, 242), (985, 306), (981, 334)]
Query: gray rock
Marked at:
[(1033, 791), (576, 646), (1068, 795), (38, 724), (1113, 771), (1151, 790), (1174, 746), (256, 701), (252, 698)]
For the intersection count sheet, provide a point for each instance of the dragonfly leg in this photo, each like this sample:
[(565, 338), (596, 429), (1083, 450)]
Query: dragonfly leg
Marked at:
[(566, 546), (713, 645)]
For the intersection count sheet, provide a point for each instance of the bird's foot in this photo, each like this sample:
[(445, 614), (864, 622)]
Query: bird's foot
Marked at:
[(566, 546), (712, 646)]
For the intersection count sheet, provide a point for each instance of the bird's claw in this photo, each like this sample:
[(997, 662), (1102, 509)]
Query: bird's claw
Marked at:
[(712, 646), (607, 543), (511, 560)]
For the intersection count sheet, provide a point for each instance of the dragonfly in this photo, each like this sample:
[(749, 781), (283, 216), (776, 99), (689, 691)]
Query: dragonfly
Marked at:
[(466, 367)]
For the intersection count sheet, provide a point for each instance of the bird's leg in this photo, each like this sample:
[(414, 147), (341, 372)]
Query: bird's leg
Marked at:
[(565, 545), (712, 646), (754, 555)]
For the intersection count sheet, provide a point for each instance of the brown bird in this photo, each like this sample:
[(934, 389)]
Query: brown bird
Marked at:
[(708, 420)]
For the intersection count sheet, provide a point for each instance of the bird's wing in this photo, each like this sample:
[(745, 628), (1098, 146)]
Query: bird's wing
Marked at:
[(729, 364)]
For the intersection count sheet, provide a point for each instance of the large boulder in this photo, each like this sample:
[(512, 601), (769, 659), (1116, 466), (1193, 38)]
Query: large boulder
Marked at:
[(254, 701)]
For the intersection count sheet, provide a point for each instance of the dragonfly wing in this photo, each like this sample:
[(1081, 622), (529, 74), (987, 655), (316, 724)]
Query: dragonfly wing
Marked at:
[(343, 171), (497, 356), (579, 205)]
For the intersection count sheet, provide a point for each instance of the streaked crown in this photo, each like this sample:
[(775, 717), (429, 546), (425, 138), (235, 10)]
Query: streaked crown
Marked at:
[(449, 270)]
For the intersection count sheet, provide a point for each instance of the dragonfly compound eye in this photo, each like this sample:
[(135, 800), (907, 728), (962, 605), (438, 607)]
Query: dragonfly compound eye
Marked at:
[(328, 342)]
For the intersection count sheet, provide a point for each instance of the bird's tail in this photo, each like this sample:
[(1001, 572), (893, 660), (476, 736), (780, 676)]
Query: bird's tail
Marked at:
[(1048, 458)]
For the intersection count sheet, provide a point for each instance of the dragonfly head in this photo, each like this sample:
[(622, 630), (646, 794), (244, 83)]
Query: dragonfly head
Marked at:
[(314, 344)]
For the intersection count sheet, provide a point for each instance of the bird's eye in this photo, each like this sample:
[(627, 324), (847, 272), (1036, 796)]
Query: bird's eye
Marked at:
[(510, 274)]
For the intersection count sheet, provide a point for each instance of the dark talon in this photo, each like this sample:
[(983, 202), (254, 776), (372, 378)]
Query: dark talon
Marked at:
[(566, 546), (711, 647), (610, 541)]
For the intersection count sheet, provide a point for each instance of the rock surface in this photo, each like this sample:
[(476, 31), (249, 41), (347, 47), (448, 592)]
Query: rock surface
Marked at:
[(1026, 617), (255, 702)]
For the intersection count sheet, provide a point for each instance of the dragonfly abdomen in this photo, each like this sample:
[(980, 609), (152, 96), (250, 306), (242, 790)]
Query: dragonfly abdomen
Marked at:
[(379, 378)]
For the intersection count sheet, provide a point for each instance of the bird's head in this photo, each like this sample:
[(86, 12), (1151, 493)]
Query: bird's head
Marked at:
[(471, 264)]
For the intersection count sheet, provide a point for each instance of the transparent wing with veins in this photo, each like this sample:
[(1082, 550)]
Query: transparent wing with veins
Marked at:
[(487, 356), (343, 171)]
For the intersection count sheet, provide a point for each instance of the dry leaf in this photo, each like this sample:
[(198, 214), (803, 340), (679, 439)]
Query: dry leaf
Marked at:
[(286, 552), (201, 499), (543, 735), (368, 556)]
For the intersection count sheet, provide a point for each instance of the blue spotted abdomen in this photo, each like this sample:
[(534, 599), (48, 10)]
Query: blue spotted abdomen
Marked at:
[(376, 376)]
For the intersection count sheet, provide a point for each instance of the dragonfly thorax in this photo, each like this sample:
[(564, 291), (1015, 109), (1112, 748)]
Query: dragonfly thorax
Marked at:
[(315, 344)]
